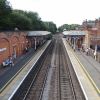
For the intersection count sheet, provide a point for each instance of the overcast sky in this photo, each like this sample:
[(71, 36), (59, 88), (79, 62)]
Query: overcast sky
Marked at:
[(61, 11)]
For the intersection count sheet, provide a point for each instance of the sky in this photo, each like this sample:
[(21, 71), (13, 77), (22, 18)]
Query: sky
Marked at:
[(61, 11)]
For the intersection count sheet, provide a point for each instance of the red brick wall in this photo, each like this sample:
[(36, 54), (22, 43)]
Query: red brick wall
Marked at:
[(4, 43), (14, 42), (31, 41), (23, 43)]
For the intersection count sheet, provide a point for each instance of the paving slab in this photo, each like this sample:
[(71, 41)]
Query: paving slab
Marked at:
[(11, 88), (92, 67), (86, 84)]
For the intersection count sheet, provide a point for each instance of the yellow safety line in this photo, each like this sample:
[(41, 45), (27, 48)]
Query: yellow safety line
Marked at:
[(88, 75)]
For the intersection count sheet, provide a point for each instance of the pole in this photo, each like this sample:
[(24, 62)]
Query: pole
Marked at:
[(35, 43), (95, 52), (74, 44)]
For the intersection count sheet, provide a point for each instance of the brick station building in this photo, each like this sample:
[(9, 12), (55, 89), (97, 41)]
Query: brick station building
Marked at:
[(12, 44), (75, 38), (93, 33)]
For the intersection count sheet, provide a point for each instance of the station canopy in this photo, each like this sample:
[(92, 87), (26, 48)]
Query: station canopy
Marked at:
[(38, 33), (74, 33)]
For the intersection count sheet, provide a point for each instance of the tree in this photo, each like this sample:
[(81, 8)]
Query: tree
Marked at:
[(5, 10), (68, 27), (36, 20), (5, 7), (20, 21), (23, 20), (50, 26)]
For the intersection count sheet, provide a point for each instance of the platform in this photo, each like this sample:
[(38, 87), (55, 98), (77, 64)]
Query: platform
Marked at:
[(88, 86), (11, 88), (91, 66)]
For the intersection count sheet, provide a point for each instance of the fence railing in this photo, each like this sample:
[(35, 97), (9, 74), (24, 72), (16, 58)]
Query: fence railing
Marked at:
[(91, 53)]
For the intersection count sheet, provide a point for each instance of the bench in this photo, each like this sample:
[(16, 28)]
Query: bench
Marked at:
[(5, 63)]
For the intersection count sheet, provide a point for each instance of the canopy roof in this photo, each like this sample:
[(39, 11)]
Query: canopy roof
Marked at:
[(38, 33), (73, 33)]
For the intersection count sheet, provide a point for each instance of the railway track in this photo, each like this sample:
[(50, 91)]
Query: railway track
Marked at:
[(64, 87), (64, 84), (35, 92), (70, 88), (32, 87)]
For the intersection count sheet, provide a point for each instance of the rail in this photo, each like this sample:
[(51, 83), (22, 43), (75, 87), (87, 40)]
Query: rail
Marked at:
[(28, 81)]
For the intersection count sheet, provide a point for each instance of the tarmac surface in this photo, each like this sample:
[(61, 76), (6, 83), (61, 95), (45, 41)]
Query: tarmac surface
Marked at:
[(9, 71), (92, 67)]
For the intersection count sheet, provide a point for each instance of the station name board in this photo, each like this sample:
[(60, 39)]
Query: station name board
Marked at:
[(3, 49)]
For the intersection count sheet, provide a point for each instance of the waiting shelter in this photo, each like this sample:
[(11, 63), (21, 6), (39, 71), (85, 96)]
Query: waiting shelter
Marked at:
[(14, 43), (75, 38), (36, 38)]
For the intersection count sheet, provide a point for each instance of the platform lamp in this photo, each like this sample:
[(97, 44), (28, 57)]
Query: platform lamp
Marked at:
[(35, 42), (74, 46), (74, 43)]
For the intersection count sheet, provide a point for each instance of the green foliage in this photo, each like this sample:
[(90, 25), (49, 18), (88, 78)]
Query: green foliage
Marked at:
[(49, 36), (5, 7), (68, 27), (5, 10), (50, 26), (20, 21), (37, 24), (23, 20)]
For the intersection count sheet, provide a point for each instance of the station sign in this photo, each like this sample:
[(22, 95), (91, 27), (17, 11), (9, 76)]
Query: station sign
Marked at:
[(2, 49)]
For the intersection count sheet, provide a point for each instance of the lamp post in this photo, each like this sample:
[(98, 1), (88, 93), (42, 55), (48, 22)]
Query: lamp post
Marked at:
[(95, 52), (74, 43), (35, 42)]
